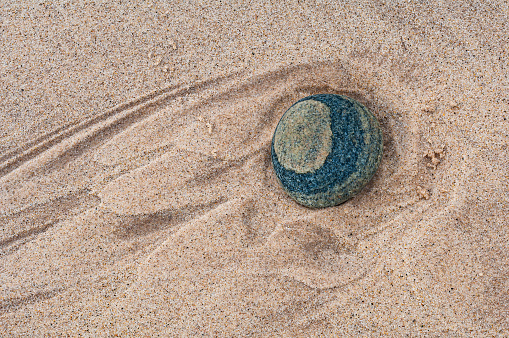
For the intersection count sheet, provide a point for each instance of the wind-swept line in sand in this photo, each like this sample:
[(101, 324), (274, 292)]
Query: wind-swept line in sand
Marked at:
[(22, 236), (71, 128), (26, 233), (14, 303), (122, 113), (144, 224)]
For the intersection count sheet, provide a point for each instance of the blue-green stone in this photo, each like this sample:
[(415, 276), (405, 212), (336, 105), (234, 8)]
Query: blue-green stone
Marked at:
[(325, 149)]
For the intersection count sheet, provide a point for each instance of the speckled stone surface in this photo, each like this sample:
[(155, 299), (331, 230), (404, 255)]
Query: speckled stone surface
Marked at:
[(325, 149)]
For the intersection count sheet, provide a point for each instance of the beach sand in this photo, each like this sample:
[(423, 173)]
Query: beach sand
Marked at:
[(138, 198)]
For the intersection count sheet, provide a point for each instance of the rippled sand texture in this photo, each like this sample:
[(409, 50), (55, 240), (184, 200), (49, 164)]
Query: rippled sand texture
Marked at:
[(137, 196)]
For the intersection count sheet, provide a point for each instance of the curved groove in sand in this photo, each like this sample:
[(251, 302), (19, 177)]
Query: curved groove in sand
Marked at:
[(125, 113)]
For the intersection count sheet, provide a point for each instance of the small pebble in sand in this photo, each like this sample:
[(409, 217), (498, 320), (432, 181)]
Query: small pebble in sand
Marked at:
[(158, 62), (435, 156), (423, 193), (325, 149), (209, 127)]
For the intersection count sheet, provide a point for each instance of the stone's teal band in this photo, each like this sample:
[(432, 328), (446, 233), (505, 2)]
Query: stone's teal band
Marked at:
[(352, 154)]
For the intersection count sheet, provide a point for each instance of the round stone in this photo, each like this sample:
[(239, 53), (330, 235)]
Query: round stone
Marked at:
[(325, 149)]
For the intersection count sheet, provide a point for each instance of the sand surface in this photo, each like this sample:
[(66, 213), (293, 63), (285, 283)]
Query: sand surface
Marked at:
[(138, 199)]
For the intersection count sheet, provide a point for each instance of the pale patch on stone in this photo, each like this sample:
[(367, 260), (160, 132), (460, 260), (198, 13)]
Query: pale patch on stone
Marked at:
[(303, 138)]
